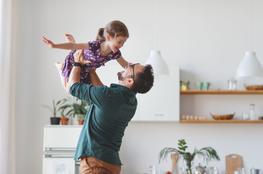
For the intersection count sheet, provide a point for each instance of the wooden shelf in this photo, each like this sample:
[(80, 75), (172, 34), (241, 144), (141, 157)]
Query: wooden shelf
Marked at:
[(222, 121), (221, 92)]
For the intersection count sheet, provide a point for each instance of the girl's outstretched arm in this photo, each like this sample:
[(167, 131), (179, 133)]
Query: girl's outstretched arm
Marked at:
[(66, 46), (123, 62)]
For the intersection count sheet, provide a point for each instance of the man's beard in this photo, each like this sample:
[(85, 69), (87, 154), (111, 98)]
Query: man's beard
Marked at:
[(120, 77)]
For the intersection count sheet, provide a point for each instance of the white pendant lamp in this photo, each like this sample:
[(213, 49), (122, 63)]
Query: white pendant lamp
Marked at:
[(159, 65), (249, 66)]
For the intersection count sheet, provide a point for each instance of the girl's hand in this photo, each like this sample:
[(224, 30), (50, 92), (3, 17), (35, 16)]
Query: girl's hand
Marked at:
[(70, 38), (48, 42)]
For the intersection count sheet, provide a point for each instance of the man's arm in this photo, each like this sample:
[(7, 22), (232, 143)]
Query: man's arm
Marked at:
[(94, 78), (96, 94), (74, 76)]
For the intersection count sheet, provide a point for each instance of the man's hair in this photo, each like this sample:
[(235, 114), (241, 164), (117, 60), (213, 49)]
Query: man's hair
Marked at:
[(143, 80)]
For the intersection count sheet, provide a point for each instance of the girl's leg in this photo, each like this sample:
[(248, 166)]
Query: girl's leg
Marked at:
[(71, 39), (59, 67)]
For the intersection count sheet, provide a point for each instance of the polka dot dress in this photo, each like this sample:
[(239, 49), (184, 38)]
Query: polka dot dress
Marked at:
[(93, 55)]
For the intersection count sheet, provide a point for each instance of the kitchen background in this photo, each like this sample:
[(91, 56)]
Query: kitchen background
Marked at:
[(205, 38)]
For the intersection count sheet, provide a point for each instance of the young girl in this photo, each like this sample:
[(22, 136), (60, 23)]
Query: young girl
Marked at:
[(96, 53)]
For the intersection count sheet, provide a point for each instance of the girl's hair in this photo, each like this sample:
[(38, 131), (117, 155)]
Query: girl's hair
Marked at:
[(114, 29)]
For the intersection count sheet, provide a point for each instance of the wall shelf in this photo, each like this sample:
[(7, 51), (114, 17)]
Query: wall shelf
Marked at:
[(221, 92), (222, 121)]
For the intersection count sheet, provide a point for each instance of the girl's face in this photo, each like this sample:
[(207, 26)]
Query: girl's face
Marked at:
[(115, 43)]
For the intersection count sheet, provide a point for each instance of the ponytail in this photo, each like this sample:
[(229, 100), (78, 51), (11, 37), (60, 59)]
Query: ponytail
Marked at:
[(100, 35)]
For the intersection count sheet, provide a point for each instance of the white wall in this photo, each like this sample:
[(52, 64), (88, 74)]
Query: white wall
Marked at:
[(206, 38)]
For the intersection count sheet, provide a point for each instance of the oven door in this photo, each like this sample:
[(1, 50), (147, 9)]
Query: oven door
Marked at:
[(59, 161)]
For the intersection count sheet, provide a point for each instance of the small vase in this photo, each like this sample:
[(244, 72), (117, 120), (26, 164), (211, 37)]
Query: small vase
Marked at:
[(81, 121)]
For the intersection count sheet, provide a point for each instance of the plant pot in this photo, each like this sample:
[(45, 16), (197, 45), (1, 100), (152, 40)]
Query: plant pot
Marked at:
[(54, 120), (74, 121), (81, 121), (64, 120)]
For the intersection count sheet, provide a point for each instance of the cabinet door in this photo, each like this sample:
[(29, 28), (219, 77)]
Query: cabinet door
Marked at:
[(161, 103)]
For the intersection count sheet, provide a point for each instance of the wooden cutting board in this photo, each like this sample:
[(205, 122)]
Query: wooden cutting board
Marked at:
[(233, 162)]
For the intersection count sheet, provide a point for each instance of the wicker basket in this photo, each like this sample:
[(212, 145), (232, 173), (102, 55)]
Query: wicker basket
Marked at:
[(222, 116), (254, 87)]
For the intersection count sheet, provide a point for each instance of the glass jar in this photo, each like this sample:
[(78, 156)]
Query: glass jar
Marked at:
[(232, 84)]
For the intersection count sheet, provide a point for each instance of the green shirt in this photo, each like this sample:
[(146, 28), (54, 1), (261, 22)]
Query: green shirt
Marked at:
[(111, 110)]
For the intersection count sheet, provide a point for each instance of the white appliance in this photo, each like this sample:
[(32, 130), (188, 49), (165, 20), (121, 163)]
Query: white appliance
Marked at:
[(59, 148)]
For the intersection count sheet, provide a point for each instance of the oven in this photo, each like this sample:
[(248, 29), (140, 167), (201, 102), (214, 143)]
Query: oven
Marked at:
[(59, 150), (60, 161)]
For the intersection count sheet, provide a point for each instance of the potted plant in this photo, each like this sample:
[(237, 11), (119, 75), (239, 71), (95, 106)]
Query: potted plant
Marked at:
[(65, 110), (81, 119), (79, 110), (54, 120), (75, 108), (188, 157)]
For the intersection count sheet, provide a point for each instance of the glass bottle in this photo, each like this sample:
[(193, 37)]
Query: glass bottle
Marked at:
[(252, 112)]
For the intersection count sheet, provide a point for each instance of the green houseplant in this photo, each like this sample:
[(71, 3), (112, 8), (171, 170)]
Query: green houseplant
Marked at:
[(80, 108), (188, 157), (75, 108), (65, 109), (54, 108)]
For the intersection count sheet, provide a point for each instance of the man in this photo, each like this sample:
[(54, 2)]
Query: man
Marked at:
[(111, 110)]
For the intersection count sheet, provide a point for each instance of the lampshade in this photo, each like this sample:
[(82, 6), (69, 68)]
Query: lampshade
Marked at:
[(159, 65), (249, 66)]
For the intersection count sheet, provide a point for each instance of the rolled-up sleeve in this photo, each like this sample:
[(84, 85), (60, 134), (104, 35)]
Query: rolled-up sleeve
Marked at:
[(87, 92)]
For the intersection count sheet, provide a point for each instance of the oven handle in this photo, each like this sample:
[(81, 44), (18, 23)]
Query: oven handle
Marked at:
[(58, 149), (59, 155)]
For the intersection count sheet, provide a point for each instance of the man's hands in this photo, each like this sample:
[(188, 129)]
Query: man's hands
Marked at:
[(79, 58)]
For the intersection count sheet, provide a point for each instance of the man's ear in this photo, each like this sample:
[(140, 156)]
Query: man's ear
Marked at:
[(130, 81)]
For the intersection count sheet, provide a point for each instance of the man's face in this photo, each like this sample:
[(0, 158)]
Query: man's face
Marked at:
[(130, 72)]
